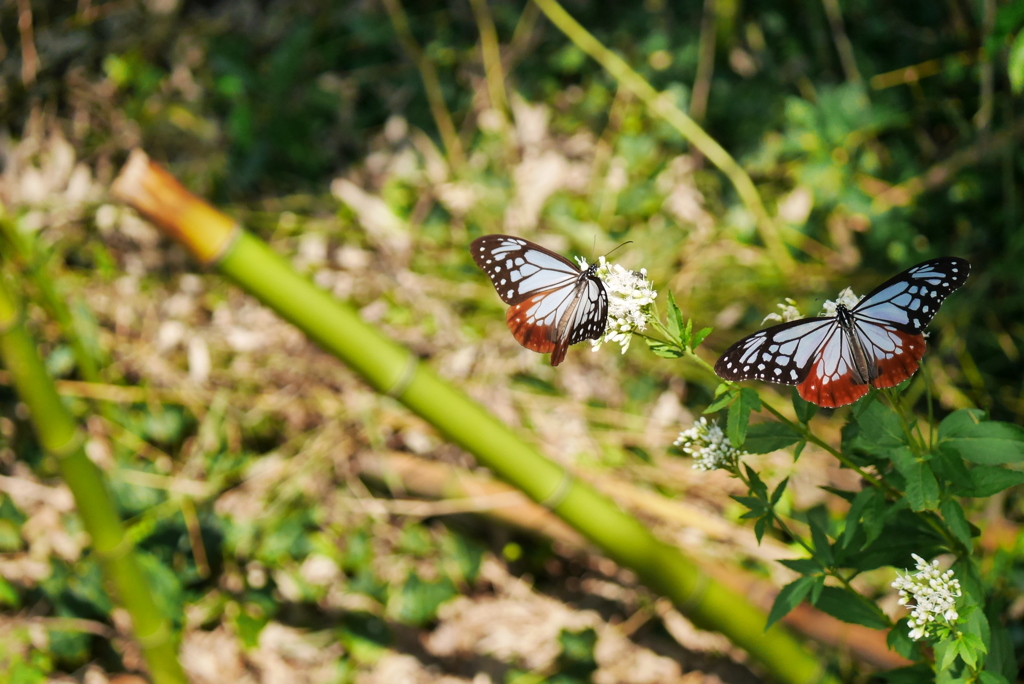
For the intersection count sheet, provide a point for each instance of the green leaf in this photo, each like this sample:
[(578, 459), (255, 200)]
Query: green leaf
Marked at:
[(675, 319), (955, 519), (699, 336), (922, 488), (805, 410), (959, 420), (739, 415), (763, 438), (805, 566), (989, 443), (946, 652), (1015, 64), (249, 627), (987, 677), (8, 594), (722, 399), (988, 480), (817, 518), (663, 349), (736, 423), (899, 641), (420, 599), (849, 606), (779, 490), (880, 428), (865, 500), (788, 599)]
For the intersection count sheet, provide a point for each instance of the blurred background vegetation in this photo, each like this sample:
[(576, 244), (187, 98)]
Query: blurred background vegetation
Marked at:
[(298, 527)]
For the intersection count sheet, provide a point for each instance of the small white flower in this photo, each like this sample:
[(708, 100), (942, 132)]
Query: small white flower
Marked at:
[(934, 594), (789, 313), (846, 298), (630, 296), (709, 447)]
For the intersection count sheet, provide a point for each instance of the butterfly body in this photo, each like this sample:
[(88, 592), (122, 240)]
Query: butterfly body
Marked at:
[(552, 303), (877, 342)]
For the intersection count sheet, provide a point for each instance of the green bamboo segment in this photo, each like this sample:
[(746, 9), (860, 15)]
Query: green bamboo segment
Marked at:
[(395, 371), (60, 436)]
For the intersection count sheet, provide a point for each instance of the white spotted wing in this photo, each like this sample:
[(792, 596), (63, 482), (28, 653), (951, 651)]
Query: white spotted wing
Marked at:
[(817, 354), (552, 303)]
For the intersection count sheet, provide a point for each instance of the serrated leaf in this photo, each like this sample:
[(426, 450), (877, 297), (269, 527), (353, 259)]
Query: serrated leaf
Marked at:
[(1015, 64), (788, 599), (675, 318), (922, 489), (946, 652), (699, 337), (988, 480), (989, 443), (956, 521), (959, 420), (899, 641), (799, 449), (849, 606), (805, 566), (663, 349), (722, 401), (779, 491), (736, 423), (866, 498), (804, 410), (817, 518), (879, 427), (763, 438)]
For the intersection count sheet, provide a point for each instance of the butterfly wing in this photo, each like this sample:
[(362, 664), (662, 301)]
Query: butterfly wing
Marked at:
[(889, 320), (520, 269), (781, 354), (815, 353), (552, 303), (908, 301)]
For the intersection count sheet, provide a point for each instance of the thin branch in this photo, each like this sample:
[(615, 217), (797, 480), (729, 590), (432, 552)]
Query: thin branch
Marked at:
[(663, 106), (843, 45), (705, 62), (29, 56), (491, 52), (431, 83)]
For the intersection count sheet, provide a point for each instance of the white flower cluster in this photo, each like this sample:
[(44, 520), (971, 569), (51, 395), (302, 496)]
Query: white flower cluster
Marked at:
[(846, 298), (709, 447), (934, 594), (630, 296), (789, 313)]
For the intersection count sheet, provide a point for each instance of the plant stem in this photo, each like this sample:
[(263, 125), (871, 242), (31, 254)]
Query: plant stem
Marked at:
[(431, 84), (60, 436), (662, 105)]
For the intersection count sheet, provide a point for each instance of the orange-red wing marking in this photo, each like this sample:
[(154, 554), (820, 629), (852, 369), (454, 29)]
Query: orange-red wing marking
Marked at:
[(892, 372), (838, 392), (531, 335)]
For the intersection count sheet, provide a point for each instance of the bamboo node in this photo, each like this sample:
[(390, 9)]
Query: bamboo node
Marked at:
[(404, 378), (557, 496)]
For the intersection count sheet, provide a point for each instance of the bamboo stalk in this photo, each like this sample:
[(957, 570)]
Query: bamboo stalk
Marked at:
[(663, 106), (395, 371), (61, 437)]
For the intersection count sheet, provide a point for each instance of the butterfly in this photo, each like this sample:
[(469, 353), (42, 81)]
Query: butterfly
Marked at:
[(552, 303), (877, 342)]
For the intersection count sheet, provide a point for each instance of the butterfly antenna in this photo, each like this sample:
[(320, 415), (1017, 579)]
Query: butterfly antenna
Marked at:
[(627, 242)]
